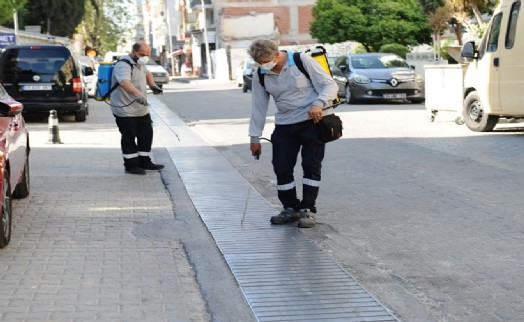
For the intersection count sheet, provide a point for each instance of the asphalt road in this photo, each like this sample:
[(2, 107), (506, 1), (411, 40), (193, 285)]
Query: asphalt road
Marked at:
[(426, 216)]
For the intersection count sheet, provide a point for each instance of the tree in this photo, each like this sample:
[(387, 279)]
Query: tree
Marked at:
[(373, 23), (438, 21), (7, 8), (430, 6), (105, 24), (57, 17), (463, 9)]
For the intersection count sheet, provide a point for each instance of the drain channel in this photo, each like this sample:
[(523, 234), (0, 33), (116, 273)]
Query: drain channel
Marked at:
[(283, 275)]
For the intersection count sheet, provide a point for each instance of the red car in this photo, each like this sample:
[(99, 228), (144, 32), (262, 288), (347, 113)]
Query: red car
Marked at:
[(14, 160)]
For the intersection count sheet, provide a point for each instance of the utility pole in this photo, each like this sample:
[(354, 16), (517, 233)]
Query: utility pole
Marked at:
[(15, 21), (171, 59), (208, 57)]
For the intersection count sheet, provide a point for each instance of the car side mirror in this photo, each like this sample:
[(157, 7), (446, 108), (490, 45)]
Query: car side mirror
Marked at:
[(10, 108), (343, 68), (468, 52), (88, 71), (412, 67)]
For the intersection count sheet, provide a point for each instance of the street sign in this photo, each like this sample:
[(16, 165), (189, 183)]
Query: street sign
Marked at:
[(7, 39)]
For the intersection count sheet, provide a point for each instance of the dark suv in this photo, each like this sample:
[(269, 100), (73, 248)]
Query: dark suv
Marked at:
[(44, 78)]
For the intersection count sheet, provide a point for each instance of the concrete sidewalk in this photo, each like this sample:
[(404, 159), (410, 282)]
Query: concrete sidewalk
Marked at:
[(91, 242)]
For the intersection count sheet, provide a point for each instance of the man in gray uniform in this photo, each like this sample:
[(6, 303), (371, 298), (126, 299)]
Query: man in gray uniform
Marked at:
[(129, 106), (300, 105)]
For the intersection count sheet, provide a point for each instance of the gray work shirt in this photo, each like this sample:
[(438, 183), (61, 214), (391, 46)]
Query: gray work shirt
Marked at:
[(293, 93), (119, 97)]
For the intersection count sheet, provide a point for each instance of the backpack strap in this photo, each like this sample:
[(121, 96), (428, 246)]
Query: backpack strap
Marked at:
[(300, 64), (117, 84)]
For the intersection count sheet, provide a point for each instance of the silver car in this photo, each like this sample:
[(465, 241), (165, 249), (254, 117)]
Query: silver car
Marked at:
[(377, 76)]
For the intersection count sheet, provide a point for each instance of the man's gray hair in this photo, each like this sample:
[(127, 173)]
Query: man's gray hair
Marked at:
[(262, 48)]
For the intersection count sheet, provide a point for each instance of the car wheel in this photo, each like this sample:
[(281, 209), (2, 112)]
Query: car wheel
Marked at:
[(347, 92), (22, 189), (474, 116), (417, 100), (80, 116), (5, 212)]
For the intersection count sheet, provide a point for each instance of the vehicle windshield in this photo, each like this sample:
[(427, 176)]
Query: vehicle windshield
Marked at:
[(37, 60), (378, 62)]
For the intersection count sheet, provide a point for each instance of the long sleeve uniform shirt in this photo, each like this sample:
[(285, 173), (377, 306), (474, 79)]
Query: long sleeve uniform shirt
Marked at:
[(293, 93)]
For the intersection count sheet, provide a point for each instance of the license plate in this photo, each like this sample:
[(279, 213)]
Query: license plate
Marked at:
[(37, 87), (399, 95)]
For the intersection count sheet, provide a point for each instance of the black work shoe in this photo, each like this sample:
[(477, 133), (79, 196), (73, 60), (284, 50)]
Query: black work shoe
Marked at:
[(307, 220), (151, 166), (135, 170), (286, 216)]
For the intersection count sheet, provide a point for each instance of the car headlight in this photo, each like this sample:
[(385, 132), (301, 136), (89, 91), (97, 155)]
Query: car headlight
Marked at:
[(359, 79), (418, 78)]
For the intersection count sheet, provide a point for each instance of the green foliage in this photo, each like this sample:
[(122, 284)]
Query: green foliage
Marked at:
[(398, 49), (359, 49), (105, 24), (444, 52), (430, 6), (373, 23), (56, 17), (7, 7)]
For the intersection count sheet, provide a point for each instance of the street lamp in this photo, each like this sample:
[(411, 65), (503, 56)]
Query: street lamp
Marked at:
[(208, 59)]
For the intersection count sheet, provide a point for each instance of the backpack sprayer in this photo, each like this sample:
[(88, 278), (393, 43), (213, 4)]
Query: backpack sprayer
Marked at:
[(104, 89)]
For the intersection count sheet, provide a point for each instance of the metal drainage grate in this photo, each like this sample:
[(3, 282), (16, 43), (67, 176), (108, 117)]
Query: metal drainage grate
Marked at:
[(282, 274)]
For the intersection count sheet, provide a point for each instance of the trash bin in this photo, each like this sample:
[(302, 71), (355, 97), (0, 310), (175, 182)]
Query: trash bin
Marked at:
[(444, 90)]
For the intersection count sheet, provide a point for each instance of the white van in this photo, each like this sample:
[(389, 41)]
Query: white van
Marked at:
[(494, 79)]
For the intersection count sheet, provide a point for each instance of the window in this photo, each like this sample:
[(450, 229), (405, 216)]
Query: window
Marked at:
[(494, 32), (512, 25)]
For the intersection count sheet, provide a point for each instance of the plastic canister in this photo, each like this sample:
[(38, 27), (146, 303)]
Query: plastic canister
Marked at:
[(105, 71)]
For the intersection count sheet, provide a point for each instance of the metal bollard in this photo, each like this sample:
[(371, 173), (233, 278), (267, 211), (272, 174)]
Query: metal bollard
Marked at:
[(54, 136)]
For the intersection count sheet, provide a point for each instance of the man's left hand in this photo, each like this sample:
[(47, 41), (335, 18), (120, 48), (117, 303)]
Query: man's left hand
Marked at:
[(315, 113), (156, 90)]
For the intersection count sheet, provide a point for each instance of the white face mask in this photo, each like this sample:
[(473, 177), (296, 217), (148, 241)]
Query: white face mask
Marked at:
[(143, 60), (269, 65)]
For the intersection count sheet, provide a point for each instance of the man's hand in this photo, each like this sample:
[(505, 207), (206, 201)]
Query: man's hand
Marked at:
[(256, 148), (141, 100), (156, 90), (315, 113)]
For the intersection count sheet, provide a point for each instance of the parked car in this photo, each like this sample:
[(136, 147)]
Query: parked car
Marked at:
[(160, 74), (377, 76), (90, 80), (331, 61), (14, 161), (244, 68), (44, 78)]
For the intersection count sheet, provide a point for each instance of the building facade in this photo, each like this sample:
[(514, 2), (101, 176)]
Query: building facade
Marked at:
[(196, 34)]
